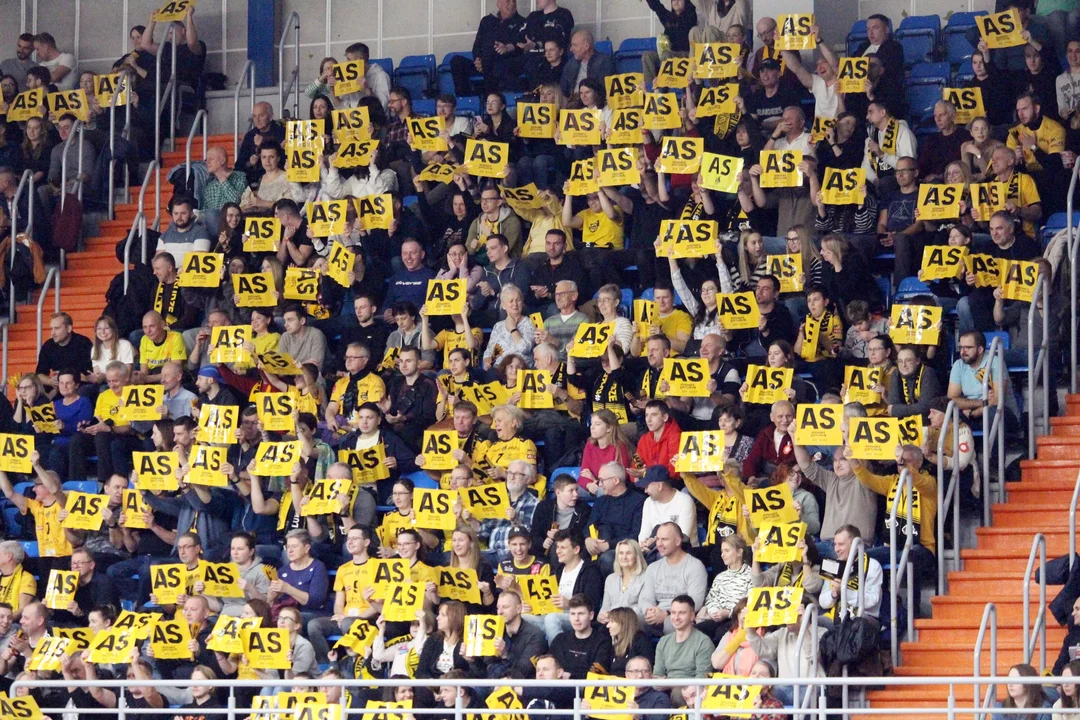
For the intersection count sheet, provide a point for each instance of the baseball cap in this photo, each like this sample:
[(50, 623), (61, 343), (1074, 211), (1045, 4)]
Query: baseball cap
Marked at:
[(211, 372), (655, 473), (770, 64)]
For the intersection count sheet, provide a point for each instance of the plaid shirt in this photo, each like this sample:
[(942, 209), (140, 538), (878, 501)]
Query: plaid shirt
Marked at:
[(397, 131), (217, 193), (496, 532)]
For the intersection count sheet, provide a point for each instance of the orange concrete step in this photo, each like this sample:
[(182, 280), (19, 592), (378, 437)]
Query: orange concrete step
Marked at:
[(1054, 447), (1065, 426), (956, 658), (975, 583), (995, 538), (933, 631), (1060, 472), (1053, 515)]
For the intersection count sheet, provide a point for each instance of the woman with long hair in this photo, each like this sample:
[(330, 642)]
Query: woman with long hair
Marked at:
[(161, 435), (780, 354), (627, 639), (622, 588), (844, 274), (230, 242), (540, 157), (1069, 693), (496, 124), (730, 416), (29, 393), (799, 241), (752, 261), (733, 655), (1026, 697), (443, 649), (606, 443), (465, 553), (35, 151), (108, 346), (321, 84), (319, 111), (728, 588), (447, 228), (977, 151), (274, 184)]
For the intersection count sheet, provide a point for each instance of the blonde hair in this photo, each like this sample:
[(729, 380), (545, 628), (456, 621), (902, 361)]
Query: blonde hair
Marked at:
[(964, 171), (806, 246), (511, 412), (836, 244), (560, 100), (629, 625), (745, 270), (639, 557), (473, 557)]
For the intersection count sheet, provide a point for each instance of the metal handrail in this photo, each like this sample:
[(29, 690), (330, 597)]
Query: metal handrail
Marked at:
[(152, 168), (997, 427), (139, 221), (170, 88), (293, 23), (27, 179), (1072, 521), (54, 273), (201, 115), (1040, 361), (948, 497), (857, 551), (904, 484), (1039, 630), (4, 339), (249, 71), (809, 623), (1071, 246), (125, 81), (76, 128), (989, 619)]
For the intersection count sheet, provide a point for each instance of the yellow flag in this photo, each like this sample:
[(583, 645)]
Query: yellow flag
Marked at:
[(84, 511), (701, 452), (325, 218), (426, 133), (661, 111), (438, 448), (681, 155), (434, 509), (277, 458), (626, 90), (446, 297), (368, 465), (348, 77), (720, 172), (766, 385), (942, 262), (267, 648), (915, 324), (1001, 30), (301, 284), (674, 73), (221, 579), (254, 290), (579, 127), (718, 100), (770, 606), (484, 158), (873, 438), (60, 592), (626, 127), (403, 601), (591, 339), (27, 104), (967, 101), (481, 632), (141, 402), (686, 377), (486, 502), (218, 424), (844, 187), (167, 582), (536, 120), (169, 640), (582, 178), (375, 212), (226, 635), (538, 592), (206, 463), (618, 166), (105, 87), (716, 61), (859, 381), (134, 508), (69, 102), (779, 541), (788, 269), (534, 388), (793, 32), (853, 74), (818, 424), (738, 311), (201, 270), (781, 168), (940, 202), (173, 11), (1018, 279)]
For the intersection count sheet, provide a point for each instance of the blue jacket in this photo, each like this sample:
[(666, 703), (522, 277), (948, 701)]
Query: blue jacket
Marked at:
[(600, 66)]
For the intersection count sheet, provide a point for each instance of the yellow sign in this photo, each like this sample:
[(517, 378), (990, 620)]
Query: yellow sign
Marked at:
[(874, 438), (66, 102), (303, 133), (303, 163), (84, 511), (912, 431), (766, 385), (173, 11), (202, 270), (645, 317), (279, 363), (1001, 30), (618, 166), (446, 297), (481, 632), (426, 134), (716, 61), (626, 127), (355, 152), (112, 646), (326, 218), (27, 104), (779, 541), (170, 640), (484, 158), (526, 197), (720, 172), (368, 465), (138, 625), (438, 448), (1018, 278), (967, 101), (361, 635), (860, 382), (486, 502), (661, 111), (731, 698), (348, 77), (819, 424), (267, 648), (591, 339), (340, 264), (434, 509), (439, 172), (301, 284), (772, 504), (943, 262), (134, 508), (701, 452), (351, 123), (538, 593), (227, 343), (218, 424), (820, 128), (275, 411), (167, 582), (78, 638), (717, 100), (985, 268), (625, 91), (853, 74), (536, 120), (915, 324), (781, 168), (459, 584), (686, 377), (142, 402), (788, 269), (579, 127), (940, 202), (156, 470), (206, 463), (674, 73), (403, 601), (254, 290), (324, 497), (843, 187), (681, 155), (795, 32), (506, 698), (60, 592), (582, 178), (227, 632), (221, 579), (987, 199), (769, 606), (43, 418), (611, 697), (738, 311), (375, 212), (486, 396), (534, 387), (277, 458), (50, 651), (105, 87), (15, 452)]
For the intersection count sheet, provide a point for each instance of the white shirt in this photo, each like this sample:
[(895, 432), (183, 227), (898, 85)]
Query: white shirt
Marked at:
[(69, 81), (679, 510), (826, 98), (1068, 90), (802, 142), (778, 438), (873, 580), (125, 353), (569, 579)]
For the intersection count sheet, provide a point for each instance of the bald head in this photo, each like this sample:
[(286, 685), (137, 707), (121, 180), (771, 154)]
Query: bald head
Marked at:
[(262, 116)]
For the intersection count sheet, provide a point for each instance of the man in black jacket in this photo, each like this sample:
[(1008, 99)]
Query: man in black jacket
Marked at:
[(889, 52), (578, 577), (410, 402), (263, 129), (557, 512), (495, 52), (776, 321), (586, 647), (548, 269), (521, 643)]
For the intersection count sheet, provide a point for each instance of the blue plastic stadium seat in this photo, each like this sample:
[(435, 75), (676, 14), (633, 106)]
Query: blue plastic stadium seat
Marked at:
[(85, 486), (856, 37), (30, 547), (911, 287), (421, 480), (416, 73), (445, 79), (929, 72), (512, 101), (11, 521), (387, 65), (957, 47), (964, 73), (423, 106), (919, 34), (604, 46), (1056, 223), (21, 488), (628, 58), (468, 106), (885, 286)]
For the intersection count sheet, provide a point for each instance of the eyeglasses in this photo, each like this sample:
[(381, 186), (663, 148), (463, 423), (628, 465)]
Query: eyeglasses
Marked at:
[(516, 474), (357, 357), (607, 479), (26, 387), (80, 563), (793, 238)]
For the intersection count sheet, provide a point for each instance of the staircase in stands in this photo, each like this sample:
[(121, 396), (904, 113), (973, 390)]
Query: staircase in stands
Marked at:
[(84, 282), (993, 571)]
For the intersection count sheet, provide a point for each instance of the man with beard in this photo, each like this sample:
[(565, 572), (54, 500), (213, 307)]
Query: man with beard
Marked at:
[(185, 234), (359, 386)]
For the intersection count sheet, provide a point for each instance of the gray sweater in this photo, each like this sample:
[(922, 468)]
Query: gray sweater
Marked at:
[(614, 597), (849, 502), (258, 582), (664, 582), (691, 658), (306, 346)]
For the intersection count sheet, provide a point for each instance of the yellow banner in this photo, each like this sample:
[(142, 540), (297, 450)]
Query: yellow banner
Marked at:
[(526, 197), (351, 123), (426, 134), (718, 100), (439, 172), (446, 297), (794, 32), (434, 509), (112, 646), (731, 698), (226, 635), (1001, 30), (766, 385), (218, 424), (438, 448), (105, 87), (167, 582), (720, 172), (942, 262), (275, 411), (459, 584), (348, 77), (277, 458), (701, 452), (60, 592), (170, 639), (206, 462), (368, 465), (662, 111), (50, 651), (844, 187), (324, 497), (133, 510), (915, 324), (625, 91), (279, 363), (481, 632), (27, 104), (267, 648), (681, 155), (582, 178), (738, 311), (781, 168), (686, 377), (985, 268), (591, 339), (173, 11), (940, 202), (536, 120), (15, 452), (84, 511), (626, 127), (716, 61), (873, 438), (779, 541), (141, 402), (327, 217), (484, 158), (202, 270), (788, 269), (71, 102), (772, 504), (375, 212), (1018, 278), (535, 394), (43, 418), (968, 103), (618, 166), (770, 606), (579, 127), (538, 591), (403, 601), (674, 73), (303, 163), (156, 470), (859, 382), (486, 502), (254, 290), (301, 284), (853, 74), (819, 424)]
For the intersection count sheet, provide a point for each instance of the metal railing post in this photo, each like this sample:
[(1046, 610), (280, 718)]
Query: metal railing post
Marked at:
[(948, 494), (5, 341), (905, 485), (27, 178), (997, 427), (1072, 521), (199, 116), (857, 553), (293, 23), (76, 128), (1071, 246), (53, 274), (1038, 631), (989, 618), (1038, 361), (170, 37), (809, 623), (249, 73)]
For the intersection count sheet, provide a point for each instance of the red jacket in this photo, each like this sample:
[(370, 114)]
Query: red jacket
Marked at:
[(660, 452), (764, 451)]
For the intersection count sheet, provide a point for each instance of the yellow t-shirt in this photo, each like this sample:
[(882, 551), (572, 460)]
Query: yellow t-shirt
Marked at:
[(155, 355), (393, 523), (675, 323), (502, 453), (108, 408), (52, 542), (1049, 137), (1022, 189), (20, 582), (370, 388), (448, 340), (352, 579), (600, 231)]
